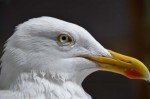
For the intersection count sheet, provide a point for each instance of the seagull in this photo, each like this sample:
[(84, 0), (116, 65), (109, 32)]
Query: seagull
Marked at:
[(48, 58)]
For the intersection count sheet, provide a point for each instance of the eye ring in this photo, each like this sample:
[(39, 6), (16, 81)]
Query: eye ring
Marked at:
[(64, 39)]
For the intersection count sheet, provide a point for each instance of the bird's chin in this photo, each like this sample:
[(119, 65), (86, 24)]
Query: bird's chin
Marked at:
[(82, 74)]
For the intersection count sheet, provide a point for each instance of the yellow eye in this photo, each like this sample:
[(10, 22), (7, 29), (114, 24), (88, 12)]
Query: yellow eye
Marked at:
[(64, 39)]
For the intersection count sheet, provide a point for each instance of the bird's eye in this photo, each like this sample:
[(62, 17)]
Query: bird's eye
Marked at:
[(64, 39)]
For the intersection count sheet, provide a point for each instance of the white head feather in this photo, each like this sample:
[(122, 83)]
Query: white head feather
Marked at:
[(34, 48)]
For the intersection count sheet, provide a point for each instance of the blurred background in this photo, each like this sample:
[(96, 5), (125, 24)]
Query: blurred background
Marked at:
[(119, 25)]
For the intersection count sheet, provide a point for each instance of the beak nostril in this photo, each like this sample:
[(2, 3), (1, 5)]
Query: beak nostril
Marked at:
[(127, 62), (103, 56)]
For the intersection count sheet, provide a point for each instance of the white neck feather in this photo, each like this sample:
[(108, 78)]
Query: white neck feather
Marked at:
[(35, 86)]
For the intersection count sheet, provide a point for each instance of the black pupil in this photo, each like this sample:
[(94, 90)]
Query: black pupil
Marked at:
[(64, 38)]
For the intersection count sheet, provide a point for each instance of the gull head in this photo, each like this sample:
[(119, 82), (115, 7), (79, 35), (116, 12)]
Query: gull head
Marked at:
[(62, 50)]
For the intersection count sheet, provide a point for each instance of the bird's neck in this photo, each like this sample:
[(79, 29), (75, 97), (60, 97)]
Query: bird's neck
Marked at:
[(35, 85)]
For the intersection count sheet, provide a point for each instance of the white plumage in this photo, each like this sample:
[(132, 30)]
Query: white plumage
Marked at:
[(36, 66), (47, 58)]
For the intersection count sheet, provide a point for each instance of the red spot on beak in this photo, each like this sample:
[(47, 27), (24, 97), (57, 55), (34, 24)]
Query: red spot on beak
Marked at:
[(132, 73)]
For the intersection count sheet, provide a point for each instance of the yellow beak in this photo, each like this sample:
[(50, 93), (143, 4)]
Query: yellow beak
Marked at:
[(121, 64)]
